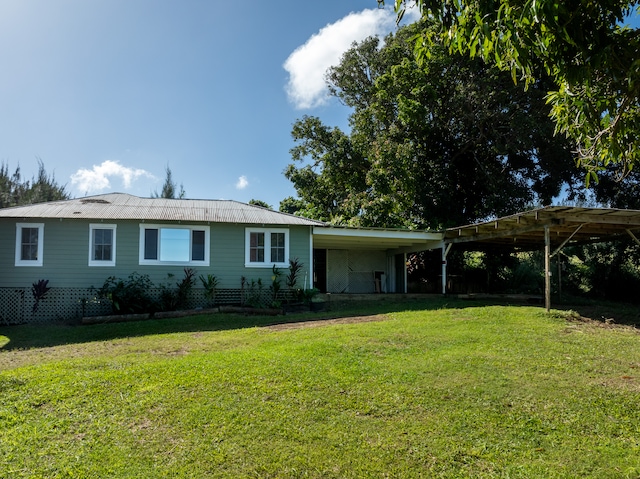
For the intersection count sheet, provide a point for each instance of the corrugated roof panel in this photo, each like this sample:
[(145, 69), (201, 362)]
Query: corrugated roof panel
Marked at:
[(115, 206)]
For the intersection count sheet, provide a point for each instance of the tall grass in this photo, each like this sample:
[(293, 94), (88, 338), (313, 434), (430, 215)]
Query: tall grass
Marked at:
[(481, 391)]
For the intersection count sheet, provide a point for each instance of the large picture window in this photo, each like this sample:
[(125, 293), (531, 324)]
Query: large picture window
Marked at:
[(168, 244), (102, 245), (266, 247), (29, 244)]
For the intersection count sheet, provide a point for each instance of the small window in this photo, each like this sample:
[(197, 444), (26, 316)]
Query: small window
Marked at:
[(166, 244), (265, 247), (29, 244), (102, 245)]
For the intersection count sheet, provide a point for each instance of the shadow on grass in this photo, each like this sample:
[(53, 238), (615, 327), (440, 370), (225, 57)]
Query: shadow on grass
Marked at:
[(27, 336)]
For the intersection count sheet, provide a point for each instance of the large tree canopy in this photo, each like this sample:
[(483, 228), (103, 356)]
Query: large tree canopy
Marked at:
[(593, 60), (448, 141)]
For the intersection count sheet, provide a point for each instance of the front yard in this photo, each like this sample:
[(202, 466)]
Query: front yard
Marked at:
[(420, 389)]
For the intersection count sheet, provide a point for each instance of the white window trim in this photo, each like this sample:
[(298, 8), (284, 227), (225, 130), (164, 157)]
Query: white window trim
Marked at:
[(267, 248), (19, 260), (101, 226), (191, 228)]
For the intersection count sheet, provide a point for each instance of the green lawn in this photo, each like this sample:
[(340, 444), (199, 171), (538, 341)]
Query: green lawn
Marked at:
[(425, 390)]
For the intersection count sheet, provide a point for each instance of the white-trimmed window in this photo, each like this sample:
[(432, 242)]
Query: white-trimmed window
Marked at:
[(29, 244), (102, 245), (266, 247), (174, 244)]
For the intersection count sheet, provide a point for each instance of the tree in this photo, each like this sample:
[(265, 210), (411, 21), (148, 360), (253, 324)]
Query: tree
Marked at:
[(445, 142), (14, 191), (261, 203), (169, 188), (593, 61), (293, 206)]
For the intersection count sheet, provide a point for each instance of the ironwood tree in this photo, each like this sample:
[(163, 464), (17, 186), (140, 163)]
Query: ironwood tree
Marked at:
[(14, 191)]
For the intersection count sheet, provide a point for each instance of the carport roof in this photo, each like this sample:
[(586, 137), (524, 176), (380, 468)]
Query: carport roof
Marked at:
[(567, 225), (338, 237)]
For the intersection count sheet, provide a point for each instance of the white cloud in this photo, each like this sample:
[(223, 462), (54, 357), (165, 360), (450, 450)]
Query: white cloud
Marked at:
[(308, 64), (242, 183), (98, 178)]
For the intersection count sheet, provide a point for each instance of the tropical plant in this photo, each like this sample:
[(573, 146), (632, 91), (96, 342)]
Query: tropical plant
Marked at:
[(175, 298), (39, 289), (295, 268), (210, 284)]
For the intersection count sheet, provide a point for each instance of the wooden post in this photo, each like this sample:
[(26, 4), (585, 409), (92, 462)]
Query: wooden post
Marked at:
[(547, 270), (559, 277)]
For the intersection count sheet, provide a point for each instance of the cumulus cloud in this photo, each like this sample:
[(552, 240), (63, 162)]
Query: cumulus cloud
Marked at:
[(242, 183), (308, 64), (98, 178)]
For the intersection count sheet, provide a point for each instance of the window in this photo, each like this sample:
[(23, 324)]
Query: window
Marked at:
[(265, 247), (102, 245), (167, 244), (29, 244)]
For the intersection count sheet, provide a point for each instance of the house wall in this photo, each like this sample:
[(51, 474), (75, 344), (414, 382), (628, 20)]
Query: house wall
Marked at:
[(353, 271), (66, 254)]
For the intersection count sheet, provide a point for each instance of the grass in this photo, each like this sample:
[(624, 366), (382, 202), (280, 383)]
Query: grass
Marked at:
[(427, 390)]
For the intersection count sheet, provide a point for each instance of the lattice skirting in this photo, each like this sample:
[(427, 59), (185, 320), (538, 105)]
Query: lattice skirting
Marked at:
[(17, 305)]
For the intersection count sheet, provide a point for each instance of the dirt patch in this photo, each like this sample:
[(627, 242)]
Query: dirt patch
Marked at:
[(327, 321)]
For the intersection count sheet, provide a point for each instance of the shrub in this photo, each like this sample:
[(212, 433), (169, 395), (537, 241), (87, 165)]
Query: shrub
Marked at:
[(128, 296), (178, 298)]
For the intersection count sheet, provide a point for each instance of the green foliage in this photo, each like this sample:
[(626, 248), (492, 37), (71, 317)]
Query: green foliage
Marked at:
[(261, 203), (210, 284), (169, 188), (446, 142), (275, 286), (172, 299), (581, 44), (295, 268), (429, 390), (128, 296), (14, 191), (604, 271), (253, 293), (293, 206), (39, 289)]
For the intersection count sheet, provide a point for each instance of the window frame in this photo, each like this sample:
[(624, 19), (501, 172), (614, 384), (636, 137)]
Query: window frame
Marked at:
[(160, 227), (267, 263), (101, 226), (18, 253)]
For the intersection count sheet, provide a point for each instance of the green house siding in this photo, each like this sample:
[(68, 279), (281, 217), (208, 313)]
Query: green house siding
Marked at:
[(66, 255)]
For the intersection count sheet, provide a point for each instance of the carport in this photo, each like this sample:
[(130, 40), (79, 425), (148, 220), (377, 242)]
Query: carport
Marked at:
[(550, 228), (366, 260)]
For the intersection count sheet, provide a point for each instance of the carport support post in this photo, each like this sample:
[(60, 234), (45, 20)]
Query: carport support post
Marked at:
[(445, 252), (547, 270)]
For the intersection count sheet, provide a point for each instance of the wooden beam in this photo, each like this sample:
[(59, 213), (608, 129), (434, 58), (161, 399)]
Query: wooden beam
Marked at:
[(566, 241), (497, 234)]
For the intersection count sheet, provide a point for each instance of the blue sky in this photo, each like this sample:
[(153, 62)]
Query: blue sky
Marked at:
[(109, 92)]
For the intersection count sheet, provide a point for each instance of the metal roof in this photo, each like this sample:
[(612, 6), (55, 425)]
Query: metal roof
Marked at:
[(567, 225), (122, 206)]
